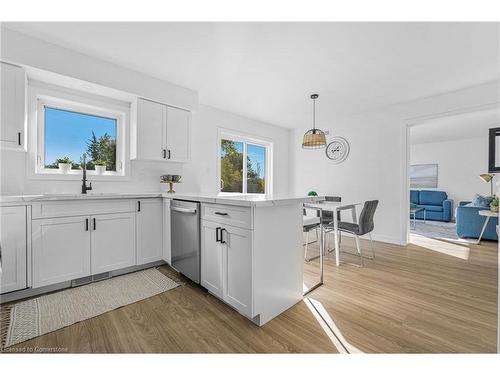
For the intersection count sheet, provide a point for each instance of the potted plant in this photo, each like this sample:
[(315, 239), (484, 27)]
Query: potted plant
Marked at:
[(64, 164), (100, 166), (494, 204)]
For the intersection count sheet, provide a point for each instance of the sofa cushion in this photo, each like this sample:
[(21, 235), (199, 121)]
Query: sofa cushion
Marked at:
[(432, 198), (480, 201), (431, 208), (414, 196)]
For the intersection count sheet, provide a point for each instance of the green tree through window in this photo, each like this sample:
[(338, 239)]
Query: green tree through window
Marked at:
[(232, 154)]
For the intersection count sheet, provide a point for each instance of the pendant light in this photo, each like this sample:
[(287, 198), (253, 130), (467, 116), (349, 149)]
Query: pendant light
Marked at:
[(314, 138)]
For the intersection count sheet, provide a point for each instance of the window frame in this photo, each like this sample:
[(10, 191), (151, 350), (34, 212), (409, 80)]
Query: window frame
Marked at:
[(41, 97), (245, 139)]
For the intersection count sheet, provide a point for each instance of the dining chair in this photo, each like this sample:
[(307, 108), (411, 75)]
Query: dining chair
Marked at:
[(365, 225), (327, 216), (327, 220), (309, 223)]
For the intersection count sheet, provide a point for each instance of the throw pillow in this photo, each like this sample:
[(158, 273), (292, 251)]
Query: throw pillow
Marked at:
[(480, 201)]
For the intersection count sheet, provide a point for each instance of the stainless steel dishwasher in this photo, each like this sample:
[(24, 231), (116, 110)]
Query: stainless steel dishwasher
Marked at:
[(185, 235)]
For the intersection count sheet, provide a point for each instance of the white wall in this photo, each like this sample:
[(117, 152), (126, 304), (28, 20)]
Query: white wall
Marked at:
[(21, 49), (201, 173), (460, 162), (376, 168), (198, 175)]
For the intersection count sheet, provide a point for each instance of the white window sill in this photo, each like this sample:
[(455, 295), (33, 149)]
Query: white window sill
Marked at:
[(77, 175), (225, 194)]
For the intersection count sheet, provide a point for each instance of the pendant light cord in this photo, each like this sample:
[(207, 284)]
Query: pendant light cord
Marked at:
[(314, 116)]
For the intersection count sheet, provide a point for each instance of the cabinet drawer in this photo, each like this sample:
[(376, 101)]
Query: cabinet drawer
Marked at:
[(81, 207), (231, 215)]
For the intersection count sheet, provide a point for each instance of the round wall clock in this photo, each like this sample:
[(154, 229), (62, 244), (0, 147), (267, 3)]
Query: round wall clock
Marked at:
[(337, 150)]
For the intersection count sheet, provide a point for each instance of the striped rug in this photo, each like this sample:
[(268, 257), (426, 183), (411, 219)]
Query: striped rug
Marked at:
[(38, 316)]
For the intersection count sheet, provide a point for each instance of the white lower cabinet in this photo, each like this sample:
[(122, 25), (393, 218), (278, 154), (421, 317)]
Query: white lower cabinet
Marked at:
[(149, 226), (167, 246), (13, 248), (226, 264), (69, 248), (60, 249), (237, 268), (112, 242), (211, 258)]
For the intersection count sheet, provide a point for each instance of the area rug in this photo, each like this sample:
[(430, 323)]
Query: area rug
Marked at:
[(440, 230), (50, 312)]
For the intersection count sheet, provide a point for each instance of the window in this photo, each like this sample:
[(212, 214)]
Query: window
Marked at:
[(66, 126), (244, 166), (71, 134)]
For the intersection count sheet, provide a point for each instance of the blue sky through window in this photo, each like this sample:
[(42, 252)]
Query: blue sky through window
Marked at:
[(257, 155), (67, 133)]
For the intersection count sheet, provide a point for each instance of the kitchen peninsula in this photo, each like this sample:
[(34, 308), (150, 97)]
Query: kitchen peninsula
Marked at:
[(250, 253)]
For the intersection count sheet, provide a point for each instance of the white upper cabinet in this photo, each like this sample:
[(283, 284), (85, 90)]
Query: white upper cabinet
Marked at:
[(161, 133), (151, 132), (13, 107), (178, 134), (13, 248)]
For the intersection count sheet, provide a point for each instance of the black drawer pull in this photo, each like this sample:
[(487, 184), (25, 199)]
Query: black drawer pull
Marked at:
[(19, 138), (138, 206), (94, 222), (221, 213), (86, 225), (164, 154)]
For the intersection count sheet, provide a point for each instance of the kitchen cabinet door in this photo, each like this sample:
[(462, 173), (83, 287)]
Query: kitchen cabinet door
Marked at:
[(151, 130), (12, 109), (167, 246), (61, 249), (178, 134), (211, 259), (237, 267), (149, 222), (112, 242), (13, 248)]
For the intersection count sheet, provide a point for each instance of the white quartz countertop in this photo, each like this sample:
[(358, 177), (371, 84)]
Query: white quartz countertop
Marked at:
[(236, 200)]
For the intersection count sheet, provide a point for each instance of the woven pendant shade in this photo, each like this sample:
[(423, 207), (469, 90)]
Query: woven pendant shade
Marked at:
[(314, 138)]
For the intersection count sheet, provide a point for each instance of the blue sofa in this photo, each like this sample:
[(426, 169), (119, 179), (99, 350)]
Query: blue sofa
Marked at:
[(436, 203), (470, 223)]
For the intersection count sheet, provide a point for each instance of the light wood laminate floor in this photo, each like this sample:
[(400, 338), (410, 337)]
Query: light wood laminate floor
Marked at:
[(410, 299), (432, 296)]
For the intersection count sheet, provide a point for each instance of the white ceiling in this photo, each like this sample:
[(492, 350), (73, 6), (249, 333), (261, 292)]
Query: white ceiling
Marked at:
[(463, 126), (267, 70)]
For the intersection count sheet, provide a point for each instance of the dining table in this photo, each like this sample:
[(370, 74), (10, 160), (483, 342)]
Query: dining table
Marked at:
[(334, 208)]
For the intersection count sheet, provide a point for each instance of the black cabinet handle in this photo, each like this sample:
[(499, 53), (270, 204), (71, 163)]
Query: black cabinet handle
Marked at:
[(168, 154), (19, 138), (221, 213), (217, 233), (164, 154), (94, 222), (86, 225), (221, 235), (138, 206)]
